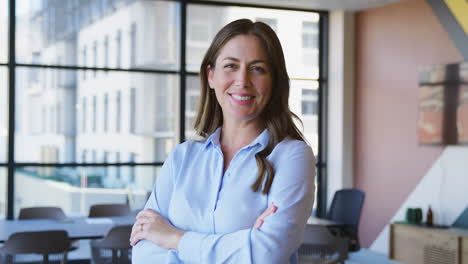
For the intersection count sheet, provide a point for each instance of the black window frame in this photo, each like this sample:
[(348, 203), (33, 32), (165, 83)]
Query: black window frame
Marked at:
[(11, 165)]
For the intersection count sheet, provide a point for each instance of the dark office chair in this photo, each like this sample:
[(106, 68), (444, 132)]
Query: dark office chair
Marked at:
[(44, 243), (106, 210), (346, 208), (54, 213), (115, 247), (321, 247)]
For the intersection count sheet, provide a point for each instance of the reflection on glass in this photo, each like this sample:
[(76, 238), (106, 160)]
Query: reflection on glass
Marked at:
[(3, 192), (63, 117), (116, 34), (75, 189), (3, 114), (3, 31), (297, 31)]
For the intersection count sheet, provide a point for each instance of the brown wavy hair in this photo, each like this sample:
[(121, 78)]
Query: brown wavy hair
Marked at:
[(276, 116)]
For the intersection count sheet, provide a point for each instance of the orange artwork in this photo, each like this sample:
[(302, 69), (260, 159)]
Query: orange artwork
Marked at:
[(431, 106)]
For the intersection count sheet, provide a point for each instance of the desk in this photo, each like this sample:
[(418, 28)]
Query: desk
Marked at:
[(77, 228), (324, 222)]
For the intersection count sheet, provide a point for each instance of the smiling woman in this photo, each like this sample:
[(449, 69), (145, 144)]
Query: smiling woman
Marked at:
[(243, 194)]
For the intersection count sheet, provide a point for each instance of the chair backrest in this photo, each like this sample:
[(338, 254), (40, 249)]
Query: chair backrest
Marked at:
[(42, 213), (106, 210), (346, 206), (319, 243), (117, 238), (41, 242)]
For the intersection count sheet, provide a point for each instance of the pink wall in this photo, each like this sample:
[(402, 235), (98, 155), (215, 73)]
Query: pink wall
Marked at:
[(392, 42)]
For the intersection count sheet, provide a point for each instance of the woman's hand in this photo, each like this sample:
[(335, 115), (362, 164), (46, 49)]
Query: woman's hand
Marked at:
[(269, 211), (153, 227)]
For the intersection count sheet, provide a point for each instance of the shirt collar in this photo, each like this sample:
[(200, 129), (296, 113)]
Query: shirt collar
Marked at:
[(262, 139)]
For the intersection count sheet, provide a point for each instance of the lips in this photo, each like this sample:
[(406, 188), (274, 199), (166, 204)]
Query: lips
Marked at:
[(242, 99)]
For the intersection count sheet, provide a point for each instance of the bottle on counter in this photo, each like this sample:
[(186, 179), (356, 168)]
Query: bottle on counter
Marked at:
[(429, 217)]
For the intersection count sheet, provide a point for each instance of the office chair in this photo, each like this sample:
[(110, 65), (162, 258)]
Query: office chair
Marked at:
[(44, 243), (346, 208), (115, 247), (106, 210), (54, 213), (321, 247)]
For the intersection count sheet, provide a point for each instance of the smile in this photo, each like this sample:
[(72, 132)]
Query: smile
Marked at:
[(241, 98)]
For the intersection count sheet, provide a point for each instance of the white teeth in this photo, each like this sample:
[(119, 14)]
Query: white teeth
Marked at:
[(242, 98)]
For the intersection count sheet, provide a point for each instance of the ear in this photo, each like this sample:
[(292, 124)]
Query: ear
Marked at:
[(209, 76)]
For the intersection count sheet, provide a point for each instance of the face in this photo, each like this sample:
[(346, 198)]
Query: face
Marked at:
[(241, 79)]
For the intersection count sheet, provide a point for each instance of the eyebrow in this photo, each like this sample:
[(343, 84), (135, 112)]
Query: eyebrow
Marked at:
[(237, 60)]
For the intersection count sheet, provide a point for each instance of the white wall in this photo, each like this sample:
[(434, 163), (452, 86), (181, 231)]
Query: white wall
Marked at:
[(444, 187)]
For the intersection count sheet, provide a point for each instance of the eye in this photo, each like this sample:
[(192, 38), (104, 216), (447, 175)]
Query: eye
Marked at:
[(258, 69), (230, 66)]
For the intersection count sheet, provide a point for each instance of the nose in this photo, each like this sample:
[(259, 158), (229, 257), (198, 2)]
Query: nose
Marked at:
[(243, 78)]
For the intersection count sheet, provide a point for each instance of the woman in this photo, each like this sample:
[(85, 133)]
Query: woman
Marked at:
[(244, 193)]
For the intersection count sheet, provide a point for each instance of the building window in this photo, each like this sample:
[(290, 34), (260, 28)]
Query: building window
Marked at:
[(309, 102), (83, 115), (132, 115), (83, 58), (117, 169), (118, 49), (106, 51), (133, 44), (95, 57), (132, 159), (310, 43), (118, 110), (94, 113), (106, 113)]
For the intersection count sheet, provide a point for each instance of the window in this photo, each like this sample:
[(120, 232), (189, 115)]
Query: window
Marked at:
[(95, 57), (132, 159), (83, 62), (94, 113), (118, 110), (132, 115), (105, 121), (133, 44), (59, 101), (118, 49), (106, 51), (310, 43), (309, 102), (83, 115)]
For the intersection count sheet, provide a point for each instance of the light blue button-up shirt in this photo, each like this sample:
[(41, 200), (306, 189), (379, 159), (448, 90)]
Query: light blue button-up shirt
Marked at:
[(219, 209)]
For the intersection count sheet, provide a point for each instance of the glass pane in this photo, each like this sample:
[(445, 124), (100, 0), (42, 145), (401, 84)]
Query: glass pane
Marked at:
[(94, 116), (303, 101), (75, 189), (191, 103), (3, 30), (3, 192), (297, 31), (110, 34), (3, 114)]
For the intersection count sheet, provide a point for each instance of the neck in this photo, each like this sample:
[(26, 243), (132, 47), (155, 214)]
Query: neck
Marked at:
[(236, 136)]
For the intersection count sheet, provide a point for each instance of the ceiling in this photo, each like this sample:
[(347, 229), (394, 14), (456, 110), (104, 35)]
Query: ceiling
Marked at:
[(351, 5)]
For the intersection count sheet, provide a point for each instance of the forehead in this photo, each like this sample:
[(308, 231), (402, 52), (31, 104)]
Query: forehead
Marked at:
[(243, 47)]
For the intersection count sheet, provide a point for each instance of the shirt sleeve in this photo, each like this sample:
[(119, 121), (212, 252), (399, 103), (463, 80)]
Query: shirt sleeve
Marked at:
[(145, 251), (282, 232)]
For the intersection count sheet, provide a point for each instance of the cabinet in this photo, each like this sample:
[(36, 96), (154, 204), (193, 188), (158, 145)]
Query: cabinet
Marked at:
[(412, 244)]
